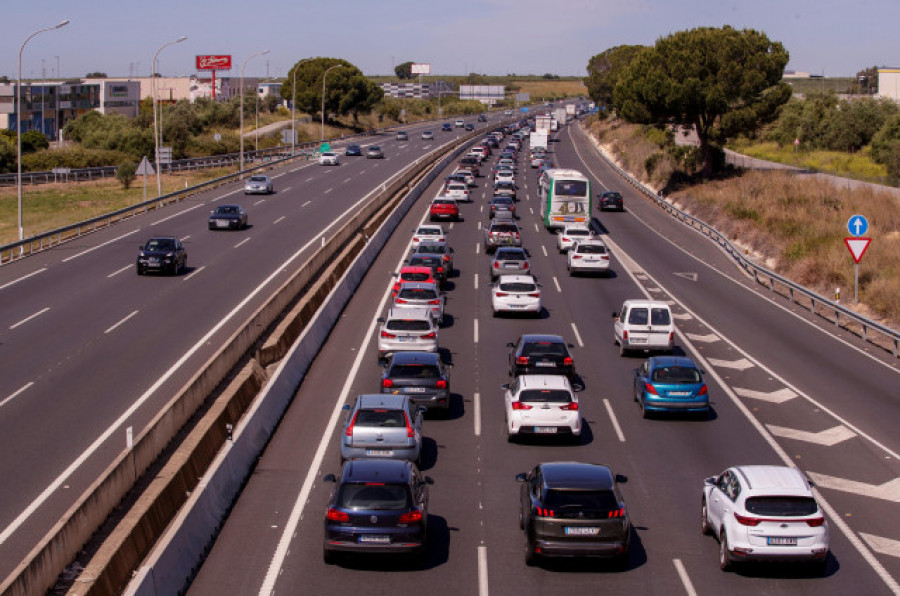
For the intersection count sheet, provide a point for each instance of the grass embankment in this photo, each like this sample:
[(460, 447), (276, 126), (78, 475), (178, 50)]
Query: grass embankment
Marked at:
[(796, 224), (859, 166)]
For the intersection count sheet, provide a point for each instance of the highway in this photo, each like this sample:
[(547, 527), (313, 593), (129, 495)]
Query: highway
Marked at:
[(89, 349), (786, 388)]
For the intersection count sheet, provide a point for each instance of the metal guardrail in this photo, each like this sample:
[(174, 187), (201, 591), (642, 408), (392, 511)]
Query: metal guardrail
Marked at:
[(869, 330)]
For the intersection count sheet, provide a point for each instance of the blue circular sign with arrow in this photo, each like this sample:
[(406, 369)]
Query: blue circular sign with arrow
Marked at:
[(857, 225)]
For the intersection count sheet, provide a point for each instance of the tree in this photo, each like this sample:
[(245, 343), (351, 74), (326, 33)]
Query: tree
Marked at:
[(125, 173), (868, 80), (32, 140), (7, 154), (404, 71), (605, 69), (95, 75), (347, 90), (719, 81)]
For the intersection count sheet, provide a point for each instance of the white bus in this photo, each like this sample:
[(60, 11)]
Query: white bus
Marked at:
[(565, 198)]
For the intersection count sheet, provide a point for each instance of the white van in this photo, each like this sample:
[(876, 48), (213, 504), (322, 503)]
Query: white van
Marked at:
[(644, 325)]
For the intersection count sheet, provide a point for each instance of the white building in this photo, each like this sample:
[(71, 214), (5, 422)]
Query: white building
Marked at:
[(889, 83)]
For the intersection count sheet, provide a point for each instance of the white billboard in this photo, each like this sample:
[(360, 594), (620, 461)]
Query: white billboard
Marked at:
[(422, 69)]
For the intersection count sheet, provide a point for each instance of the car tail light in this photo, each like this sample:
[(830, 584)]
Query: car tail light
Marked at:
[(410, 432), (604, 258), (564, 239), (747, 521), (400, 301), (416, 239), (517, 235), (428, 335), (411, 516), (576, 257), (335, 515), (672, 336), (501, 294), (496, 265), (446, 257), (650, 389), (522, 360), (541, 512), (517, 405), (434, 302), (442, 384), (349, 431), (536, 295), (388, 335), (567, 361), (815, 522), (572, 407), (387, 383), (440, 269), (620, 512), (525, 265), (625, 335), (703, 390)]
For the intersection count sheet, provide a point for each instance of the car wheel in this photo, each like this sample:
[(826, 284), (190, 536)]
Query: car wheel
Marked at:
[(419, 557), (645, 414), (622, 350), (726, 562), (521, 520), (329, 557), (531, 558), (140, 271), (705, 528)]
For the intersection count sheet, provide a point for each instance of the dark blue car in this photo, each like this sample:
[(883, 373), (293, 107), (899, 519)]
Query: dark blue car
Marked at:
[(446, 127), (670, 384)]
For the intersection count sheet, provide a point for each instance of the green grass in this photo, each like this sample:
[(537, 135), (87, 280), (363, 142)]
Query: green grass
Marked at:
[(859, 166), (836, 84)]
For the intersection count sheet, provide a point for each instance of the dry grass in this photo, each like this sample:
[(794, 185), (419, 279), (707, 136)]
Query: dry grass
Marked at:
[(551, 88), (633, 150)]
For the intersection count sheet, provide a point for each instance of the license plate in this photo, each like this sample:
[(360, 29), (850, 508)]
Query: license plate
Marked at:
[(517, 306), (679, 393), (546, 364), (415, 390), (222, 223), (375, 539), (545, 430), (781, 541), (511, 265), (579, 531), (382, 452), (638, 340)]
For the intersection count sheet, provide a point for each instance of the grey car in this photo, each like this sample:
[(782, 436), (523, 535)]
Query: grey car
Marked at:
[(503, 203), (407, 329), (420, 375), (228, 217), (510, 260), (259, 184), (501, 233), (436, 247), (416, 294), (374, 152), (382, 426)]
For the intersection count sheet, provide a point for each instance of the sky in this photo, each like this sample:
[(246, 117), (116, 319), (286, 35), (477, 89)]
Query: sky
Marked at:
[(494, 37)]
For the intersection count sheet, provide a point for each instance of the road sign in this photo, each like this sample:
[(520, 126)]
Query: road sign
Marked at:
[(324, 147), (857, 247), (857, 225), (144, 168), (524, 110)]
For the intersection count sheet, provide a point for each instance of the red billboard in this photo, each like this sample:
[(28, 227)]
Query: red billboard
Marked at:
[(218, 62)]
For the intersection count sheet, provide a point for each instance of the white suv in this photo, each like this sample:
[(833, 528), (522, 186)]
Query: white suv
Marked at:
[(407, 330), (644, 325), (541, 405), (764, 513)]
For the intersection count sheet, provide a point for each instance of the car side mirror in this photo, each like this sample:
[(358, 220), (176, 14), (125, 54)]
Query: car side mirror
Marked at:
[(709, 481), (615, 315), (504, 386), (810, 483), (429, 480), (570, 345), (346, 407), (510, 345), (523, 477), (329, 478), (421, 409), (380, 319), (620, 478)]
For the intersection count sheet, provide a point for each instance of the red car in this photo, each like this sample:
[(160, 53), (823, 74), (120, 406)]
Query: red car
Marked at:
[(413, 273), (444, 208)]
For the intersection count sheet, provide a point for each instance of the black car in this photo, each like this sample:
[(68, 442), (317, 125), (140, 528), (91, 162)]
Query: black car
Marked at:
[(436, 262), (540, 354), (482, 118), (353, 151), (572, 509), (447, 127), (610, 199), (228, 217), (469, 126), (377, 506), (420, 375), (163, 255)]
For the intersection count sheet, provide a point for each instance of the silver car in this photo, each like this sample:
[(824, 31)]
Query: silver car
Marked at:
[(509, 260), (407, 330), (382, 426), (571, 234), (416, 294), (436, 247), (259, 185)]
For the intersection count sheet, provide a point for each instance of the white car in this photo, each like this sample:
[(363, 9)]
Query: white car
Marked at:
[(572, 234), (764, 513), (516, 293), (644, 325), (427, 135), (329, 158), (407, 330), (588, 256), (504, 176), (457, 191), (417, 294), (470, 179), (541, 405), (460, 124), (428, 233)]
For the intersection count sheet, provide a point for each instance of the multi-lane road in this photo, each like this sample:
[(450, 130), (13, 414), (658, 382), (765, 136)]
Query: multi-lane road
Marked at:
[(786, 388)]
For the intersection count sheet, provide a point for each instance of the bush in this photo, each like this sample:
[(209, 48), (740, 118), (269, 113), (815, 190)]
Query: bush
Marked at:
[(32, 140), (125, 173), (70, 157)]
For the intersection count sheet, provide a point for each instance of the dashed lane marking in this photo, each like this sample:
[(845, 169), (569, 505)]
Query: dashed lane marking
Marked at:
[(827, 438), (776, 397)]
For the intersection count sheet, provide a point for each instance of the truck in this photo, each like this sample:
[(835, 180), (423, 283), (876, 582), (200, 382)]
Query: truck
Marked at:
[(538, 140), (570, 109), (542, 123), (560, 115)]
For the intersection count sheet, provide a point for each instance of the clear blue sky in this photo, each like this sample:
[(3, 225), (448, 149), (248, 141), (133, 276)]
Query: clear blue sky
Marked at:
[(498, 37)]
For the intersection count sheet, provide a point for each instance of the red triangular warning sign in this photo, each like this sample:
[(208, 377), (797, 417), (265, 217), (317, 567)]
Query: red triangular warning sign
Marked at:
[(857, 247)]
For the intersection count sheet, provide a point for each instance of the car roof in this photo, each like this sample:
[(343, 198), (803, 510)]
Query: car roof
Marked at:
[(660, 361), (415, 357), (376, 470), (577, 475), (405, 314), (418, 285), (544, 337), (646, 303), (382, 400), (773, 478), (415, 269), (544, 382), (512, 279)]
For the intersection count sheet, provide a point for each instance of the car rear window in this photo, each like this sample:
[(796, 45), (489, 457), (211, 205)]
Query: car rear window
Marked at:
[(428, 232), (417, 294), (504, 228), (577, 232), (386, 497), (545, 396), (227, 210), (660, 316), (509, 255), (424, 261), (596, 500), (637, 316), (544, 349), (442, 202), (432, 248), (415, 276), (592, 249), (517, 287), (415, 371), (380, 418), (407, 325), (676, 374), (781, 506), (257, 179)]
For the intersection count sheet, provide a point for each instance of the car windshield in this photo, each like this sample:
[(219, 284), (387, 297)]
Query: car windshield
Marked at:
[(544, 348), (258, 179), (781, 506), (517, 287), (227, 210), (375, 148), (432, 248), (676, 374), (414, 276), (545, 396), (592, 249), (509, 255), (374, 496), (602, 500), (415, 371), (380, 418), (417, 294), (407, 325), (428, 232), (161, 245)]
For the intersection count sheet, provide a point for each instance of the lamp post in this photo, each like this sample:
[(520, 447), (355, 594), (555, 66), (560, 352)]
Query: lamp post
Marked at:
[(58, 88), (155, 121), (325, 74), (246, 60), (293, 106), (19, 122)]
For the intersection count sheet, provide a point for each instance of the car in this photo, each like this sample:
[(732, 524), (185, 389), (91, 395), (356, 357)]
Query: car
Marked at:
[(643, 325), (574, 509), (505, 174), (427, 135), (510, 260), (459, 124), (258, 185), (402, 135), (353, 150), (505, 188), (502, 203), (434, 263), (482, 118), (463, 175), (408, 272), (540, 353), (414, 294), (446, 127), (227, 217), (469, 126), (507, 113), (374, 152), (382, 426), (537, 159), (420, 375), (610, 200), (458, 191), (541, 405), (428, 232), (570, 234), (436, 247), (516, 294), (471, 163), (479, 151), (588, 256), (501, 233), (164, 254), (764, 513), (407, 330), (329, 158), (670, 384), (443, 208), (507, 161), (377, 506)]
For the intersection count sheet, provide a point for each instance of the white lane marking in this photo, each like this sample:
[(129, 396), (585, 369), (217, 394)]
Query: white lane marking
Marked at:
[(279, 219), (476, 417), (174, 215), (690, 276), (577, 335), (685, 579), (704, 339), (614, 420), (556, 283), (20, 391), (194, 272), (310, 179), (481, 209), (889, 491), (683, 316), (286, 188), (242, 242), (118, 271), (24, 277), (185, 237), (475, 335), (479, 225), (451, 226), (306, 203), (259, 202), (531, 211), (279, 175), (739, 364), (536, 228), (347, 180), (482, 571), (827, 438), (361, 172), (84, 252), (884, 546), (543, 248), (477, 248), (329, 190), (26, 319), (120, 322), (475, 276), (297, 169), (776, 397)]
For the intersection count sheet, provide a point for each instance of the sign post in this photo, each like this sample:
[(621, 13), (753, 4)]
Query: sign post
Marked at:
[(214, 63), (143, 170), (857, 225)]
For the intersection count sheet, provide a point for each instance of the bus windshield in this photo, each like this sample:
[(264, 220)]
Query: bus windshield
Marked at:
[(571, 188)]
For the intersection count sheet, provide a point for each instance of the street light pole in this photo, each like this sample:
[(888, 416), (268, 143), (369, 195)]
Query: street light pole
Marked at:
[(58, 89), (246, 60), (19, 122), (325, 74), (293, 106), (155, 121)]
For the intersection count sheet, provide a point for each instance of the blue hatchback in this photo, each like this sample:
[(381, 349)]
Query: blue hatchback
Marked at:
[(670, 384)]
